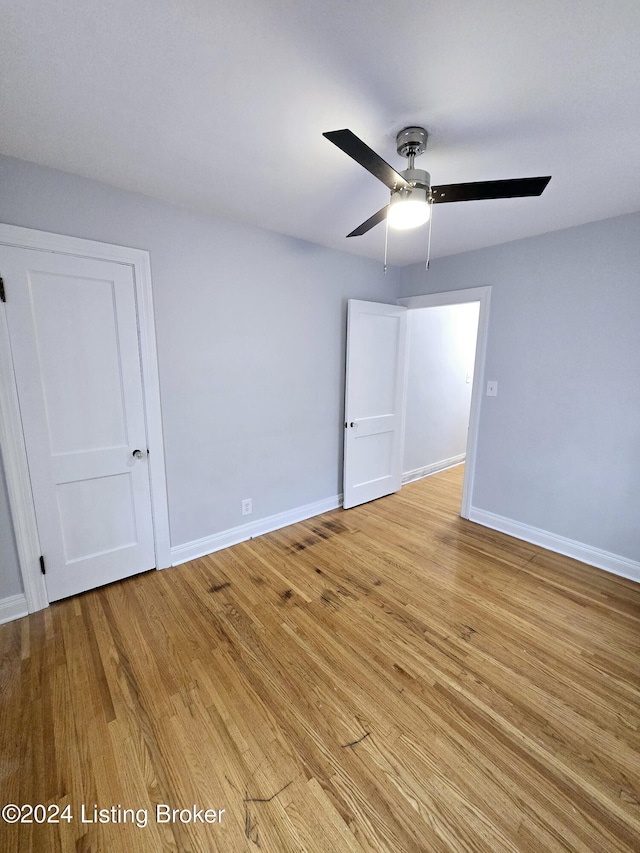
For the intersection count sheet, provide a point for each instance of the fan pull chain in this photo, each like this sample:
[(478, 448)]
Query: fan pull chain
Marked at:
[(386, 243), (429, 237)]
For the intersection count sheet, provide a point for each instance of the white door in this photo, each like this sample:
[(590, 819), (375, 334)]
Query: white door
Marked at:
[(374, 400), (74, 340)]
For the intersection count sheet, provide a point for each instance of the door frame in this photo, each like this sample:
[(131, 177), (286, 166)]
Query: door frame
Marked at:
[(11, 435), (459, 297)]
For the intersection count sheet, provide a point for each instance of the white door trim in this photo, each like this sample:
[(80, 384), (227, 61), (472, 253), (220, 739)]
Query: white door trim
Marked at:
[(11, 437), (458, 297)]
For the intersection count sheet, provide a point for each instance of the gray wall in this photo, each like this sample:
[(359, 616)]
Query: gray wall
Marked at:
[(10, 577), (559, 447), (251, 330), (442, 347)]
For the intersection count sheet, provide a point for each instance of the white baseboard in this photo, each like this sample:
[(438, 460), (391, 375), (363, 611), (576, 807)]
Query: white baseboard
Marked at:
[(209, 544), (613, 563), (434, 468), (13, 607)]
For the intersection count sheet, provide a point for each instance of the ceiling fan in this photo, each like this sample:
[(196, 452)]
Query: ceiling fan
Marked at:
[(411, 192)]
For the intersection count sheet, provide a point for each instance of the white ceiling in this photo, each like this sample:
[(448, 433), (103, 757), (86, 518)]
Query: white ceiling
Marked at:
[(220, 105)]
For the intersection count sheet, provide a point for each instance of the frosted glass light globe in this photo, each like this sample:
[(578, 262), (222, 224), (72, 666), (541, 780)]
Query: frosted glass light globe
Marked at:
[(409, 211)]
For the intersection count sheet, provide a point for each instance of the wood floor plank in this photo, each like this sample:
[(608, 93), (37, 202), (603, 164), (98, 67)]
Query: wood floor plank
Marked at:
[(391, 678)]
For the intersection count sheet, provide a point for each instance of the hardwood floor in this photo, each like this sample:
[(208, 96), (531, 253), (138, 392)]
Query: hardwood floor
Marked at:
[(391, 678)]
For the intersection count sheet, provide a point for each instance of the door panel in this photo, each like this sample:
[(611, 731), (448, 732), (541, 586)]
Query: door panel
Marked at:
[(374, 400), (74, 339), (373, 373), (76, 320), (97, 516)]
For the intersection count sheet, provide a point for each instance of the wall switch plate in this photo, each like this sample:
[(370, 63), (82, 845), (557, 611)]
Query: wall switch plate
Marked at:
[(492, 388), (247, 509)]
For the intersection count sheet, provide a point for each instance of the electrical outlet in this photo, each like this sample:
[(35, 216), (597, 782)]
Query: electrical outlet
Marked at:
[(247, 508), (492, 389)]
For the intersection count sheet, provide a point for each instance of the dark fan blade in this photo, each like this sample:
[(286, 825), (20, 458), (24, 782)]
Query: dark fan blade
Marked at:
[(367, 157), (371, 221), (489, 189)]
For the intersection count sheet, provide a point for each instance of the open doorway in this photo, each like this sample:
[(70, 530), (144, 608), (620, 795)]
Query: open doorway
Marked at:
[(441, 356), (447, 343)]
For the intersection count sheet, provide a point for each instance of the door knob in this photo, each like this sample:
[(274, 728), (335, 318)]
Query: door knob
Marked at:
[(138, 454)]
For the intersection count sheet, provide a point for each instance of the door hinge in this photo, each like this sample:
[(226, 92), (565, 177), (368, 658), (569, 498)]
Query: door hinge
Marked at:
[(42, 568), (3, 295)]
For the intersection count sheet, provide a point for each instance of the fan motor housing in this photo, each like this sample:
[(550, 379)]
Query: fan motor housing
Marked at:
[(419, 177)]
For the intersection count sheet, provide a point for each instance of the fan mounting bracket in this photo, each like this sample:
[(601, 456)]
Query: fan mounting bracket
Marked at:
[(411, 141)]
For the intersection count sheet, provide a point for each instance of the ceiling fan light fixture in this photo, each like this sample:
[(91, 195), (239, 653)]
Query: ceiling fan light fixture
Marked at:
[(411, 191), (409, 209)]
